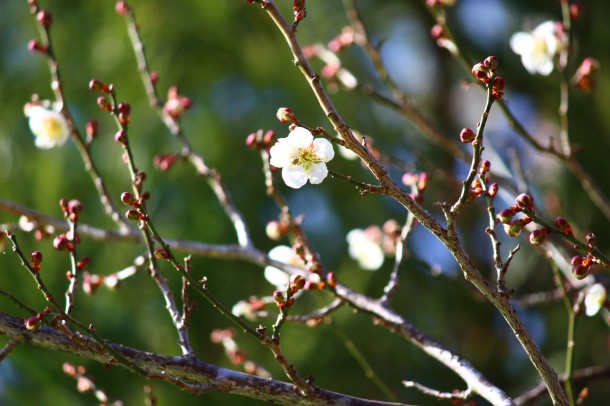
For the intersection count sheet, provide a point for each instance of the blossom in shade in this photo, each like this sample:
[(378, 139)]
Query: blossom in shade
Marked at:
[(595, 299), (49, 126), (363, 248), (301, 157), (537, 48)]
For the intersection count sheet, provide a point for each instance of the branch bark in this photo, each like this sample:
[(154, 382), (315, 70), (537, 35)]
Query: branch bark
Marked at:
[(185, 369)]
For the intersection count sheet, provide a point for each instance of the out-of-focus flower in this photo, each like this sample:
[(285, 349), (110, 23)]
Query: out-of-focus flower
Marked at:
[(537, 48), (365, 249), (595, 299), (243, 308), (286, 255), (49, 126), (301, 157)]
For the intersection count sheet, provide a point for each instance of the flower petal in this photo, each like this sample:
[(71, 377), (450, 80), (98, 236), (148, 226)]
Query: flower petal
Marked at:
[(317, 173), (324, 149), (300, 138), (522, 43), (294, 176)]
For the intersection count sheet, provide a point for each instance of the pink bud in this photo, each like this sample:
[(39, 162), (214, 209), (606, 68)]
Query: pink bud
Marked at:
[(562, 225), (481, 72), (132, 214), (537, 237), (467, 135), (98, 86), (493, 190), (491, 62), (104, 103), (45, 18), (524, 201), (331, 279)]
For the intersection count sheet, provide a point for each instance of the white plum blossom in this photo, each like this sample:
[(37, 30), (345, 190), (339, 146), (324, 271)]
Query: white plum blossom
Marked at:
[(286, 255), (595, 299), (49, 126), (365, 250), (301, 157), (243, 309), (537, 48)]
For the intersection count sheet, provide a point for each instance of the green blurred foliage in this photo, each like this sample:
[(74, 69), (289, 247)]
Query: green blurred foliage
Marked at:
[(233, 62)]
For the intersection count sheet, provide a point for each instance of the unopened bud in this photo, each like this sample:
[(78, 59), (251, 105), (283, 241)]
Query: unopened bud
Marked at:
[(285, 115), (128, 199), (278, 298), (121, 137), (132, 214), (45, 18), (297, 282), (467, 135), (493, 190), (98, 86), (481, 72), (160, 253), (537, 237), (563, 226), (331, 279), (36, 46), (491, 62), (524, 201), (33, 322), (580, 271), (92, 128), (104, 103)]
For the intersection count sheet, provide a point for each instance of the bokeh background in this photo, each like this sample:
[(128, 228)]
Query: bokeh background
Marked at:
[(232, 61)]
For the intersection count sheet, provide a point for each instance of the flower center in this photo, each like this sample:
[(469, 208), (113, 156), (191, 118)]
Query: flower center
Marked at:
[(307, 157), (53, 127)]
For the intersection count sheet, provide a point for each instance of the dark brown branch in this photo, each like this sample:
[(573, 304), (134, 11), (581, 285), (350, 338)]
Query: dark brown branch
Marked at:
[(190, 371)]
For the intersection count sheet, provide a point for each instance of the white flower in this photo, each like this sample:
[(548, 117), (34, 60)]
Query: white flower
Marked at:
[(595, 299), (365, 250), (301, 157), (286, 255), (537, 48), (48, 126), (243, 309)]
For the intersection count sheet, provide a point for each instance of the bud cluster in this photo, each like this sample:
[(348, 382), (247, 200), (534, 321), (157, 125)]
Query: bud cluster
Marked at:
[(298, 6), (418, 182), (260, 140), (176, 105), (342, 41), (165, 161), (33, 322), (486, 72), (514, 227), (71, 209)]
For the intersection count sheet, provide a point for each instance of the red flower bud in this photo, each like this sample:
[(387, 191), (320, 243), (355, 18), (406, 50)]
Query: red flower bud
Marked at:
[(467, 135), (36, 46), (491, 62), (481, 72), (278, 298), (160, 253), (537, 237), (493, 190), (132, 214), (297, 282), (36, 257), (563, 226), (45, 18), (580, 271), (128, 199), (104, 103), (331, 279), (121, 137), (92, 128), (122, 8), (98, 86), (525, 201)]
